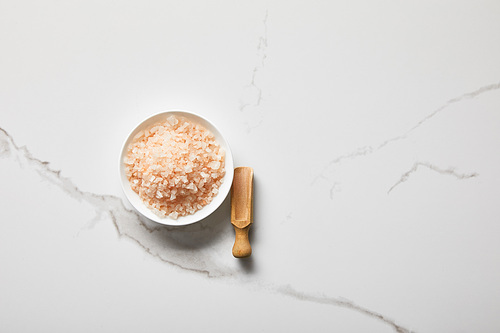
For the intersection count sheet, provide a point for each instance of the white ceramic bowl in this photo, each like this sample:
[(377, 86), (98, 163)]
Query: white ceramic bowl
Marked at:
[(205, 211)]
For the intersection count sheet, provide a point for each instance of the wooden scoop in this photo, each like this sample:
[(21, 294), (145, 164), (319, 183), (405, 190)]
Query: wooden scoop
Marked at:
[(242, 210)]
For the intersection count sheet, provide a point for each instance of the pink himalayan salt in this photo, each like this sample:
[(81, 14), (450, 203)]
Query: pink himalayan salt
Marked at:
[(175, 166)]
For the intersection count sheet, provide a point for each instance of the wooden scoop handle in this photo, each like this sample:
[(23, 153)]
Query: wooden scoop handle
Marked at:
[(242, 210), (241, 247)]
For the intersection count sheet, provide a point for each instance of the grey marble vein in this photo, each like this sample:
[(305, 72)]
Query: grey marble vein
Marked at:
[(450, 172), (252, 94), (362, 151), (367, 150), (334, 188), (263, 39), (454, 100), (261, 49), (188, 248), (340, 302)]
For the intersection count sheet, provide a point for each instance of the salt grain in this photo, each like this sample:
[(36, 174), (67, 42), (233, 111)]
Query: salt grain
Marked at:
[(175, 166)]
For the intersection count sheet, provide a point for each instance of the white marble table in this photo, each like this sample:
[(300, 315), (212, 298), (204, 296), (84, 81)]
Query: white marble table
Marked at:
[(373, 129)]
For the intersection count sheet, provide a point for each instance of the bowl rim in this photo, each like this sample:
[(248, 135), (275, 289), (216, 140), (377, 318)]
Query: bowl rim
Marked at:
[(136, 202)]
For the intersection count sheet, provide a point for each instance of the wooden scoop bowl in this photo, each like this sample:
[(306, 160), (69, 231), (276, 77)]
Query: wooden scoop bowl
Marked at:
[(242, 210)]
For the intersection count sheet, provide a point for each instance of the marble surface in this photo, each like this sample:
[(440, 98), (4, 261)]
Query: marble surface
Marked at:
[(373, 129)]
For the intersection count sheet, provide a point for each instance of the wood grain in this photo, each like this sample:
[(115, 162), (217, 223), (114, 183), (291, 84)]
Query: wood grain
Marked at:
[(242, 210)]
